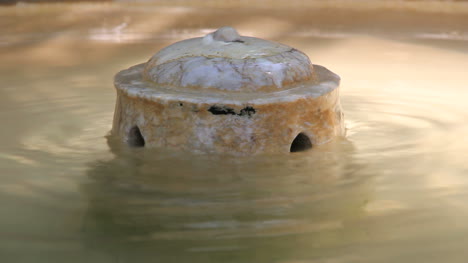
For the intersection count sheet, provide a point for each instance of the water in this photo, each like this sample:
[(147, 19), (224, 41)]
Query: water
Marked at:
[(394, 190)]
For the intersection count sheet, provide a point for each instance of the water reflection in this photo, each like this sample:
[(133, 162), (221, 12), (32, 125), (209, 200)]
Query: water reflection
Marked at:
[(148, 203)]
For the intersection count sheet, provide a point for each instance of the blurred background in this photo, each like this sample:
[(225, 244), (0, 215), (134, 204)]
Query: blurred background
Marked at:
[(395, 189)]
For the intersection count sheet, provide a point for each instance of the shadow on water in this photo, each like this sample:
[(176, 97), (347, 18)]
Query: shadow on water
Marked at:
[(147, 204)]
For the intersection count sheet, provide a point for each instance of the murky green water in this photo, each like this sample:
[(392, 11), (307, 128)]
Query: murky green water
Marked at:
[(394, 190)]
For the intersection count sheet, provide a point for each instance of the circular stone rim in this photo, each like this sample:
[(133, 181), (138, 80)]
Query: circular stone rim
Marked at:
[(132, 83)]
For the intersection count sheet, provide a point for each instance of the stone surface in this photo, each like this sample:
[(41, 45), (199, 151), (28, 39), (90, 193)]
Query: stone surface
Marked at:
[(226, 93)]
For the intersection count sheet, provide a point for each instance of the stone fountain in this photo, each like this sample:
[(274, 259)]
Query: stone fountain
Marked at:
[(226, 93)]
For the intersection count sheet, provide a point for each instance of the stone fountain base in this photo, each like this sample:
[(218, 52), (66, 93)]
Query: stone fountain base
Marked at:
[(201, 121)]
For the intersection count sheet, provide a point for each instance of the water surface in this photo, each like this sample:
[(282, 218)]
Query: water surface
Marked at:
[(394, 190)]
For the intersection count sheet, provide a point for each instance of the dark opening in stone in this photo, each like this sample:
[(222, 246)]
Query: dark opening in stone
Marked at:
[(223, 110), (301, 143), (135, 139), (247, 111)]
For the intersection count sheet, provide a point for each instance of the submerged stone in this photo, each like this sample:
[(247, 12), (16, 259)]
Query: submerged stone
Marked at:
[(226, 93)]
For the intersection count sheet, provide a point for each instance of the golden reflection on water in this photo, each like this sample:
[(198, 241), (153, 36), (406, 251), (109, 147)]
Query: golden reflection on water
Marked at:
[(395, 189)]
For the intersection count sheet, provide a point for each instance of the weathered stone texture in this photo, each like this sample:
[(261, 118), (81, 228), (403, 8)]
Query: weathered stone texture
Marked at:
[(208, 95)]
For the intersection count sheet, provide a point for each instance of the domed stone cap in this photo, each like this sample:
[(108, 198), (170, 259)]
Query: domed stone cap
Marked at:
[(224, 61)]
